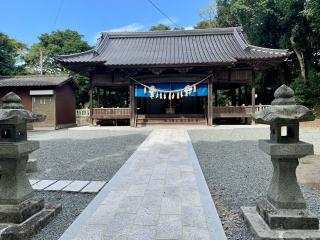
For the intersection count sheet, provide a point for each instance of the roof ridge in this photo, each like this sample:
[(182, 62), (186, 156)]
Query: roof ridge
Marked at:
[(35, 76), (243, 44), (173, 33)]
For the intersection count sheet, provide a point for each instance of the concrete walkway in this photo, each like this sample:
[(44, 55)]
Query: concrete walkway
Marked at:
[(159, 193)]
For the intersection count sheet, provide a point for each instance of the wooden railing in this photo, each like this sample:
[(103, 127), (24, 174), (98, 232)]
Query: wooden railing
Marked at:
[(111, 113), (124, 113), (83, 112), (235, 111)]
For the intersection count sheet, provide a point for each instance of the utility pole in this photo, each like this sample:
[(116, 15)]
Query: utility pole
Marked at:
[(41, 62)]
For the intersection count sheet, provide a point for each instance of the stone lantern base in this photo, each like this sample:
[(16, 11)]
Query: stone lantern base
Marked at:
[(21, 214), (22, 221), (262, 231)]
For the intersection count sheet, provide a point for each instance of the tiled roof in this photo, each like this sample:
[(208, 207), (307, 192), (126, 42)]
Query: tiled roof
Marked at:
[(35, 81), (207, 46)]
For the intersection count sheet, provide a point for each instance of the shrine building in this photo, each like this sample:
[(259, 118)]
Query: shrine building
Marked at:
[(173, 76)]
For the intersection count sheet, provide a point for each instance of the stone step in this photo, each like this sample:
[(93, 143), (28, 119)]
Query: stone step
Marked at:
[(67, 185), (172, 121)]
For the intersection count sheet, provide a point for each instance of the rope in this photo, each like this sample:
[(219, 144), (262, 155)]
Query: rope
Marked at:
[(170, 91)]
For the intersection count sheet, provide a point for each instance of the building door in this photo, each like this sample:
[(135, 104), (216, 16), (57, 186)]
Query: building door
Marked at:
[(44, 105)]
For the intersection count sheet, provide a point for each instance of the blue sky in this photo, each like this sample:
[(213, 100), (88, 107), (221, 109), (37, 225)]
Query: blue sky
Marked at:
[(25, 20)]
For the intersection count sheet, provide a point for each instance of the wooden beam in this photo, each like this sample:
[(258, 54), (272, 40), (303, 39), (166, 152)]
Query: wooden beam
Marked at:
[(210, 107), (132, 105)]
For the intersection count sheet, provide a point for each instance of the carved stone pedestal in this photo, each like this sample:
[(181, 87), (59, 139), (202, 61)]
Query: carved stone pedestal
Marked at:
[(262, 230)]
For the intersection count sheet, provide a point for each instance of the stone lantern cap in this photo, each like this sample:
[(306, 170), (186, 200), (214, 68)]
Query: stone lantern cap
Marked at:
[(283, 109), (12, 108)]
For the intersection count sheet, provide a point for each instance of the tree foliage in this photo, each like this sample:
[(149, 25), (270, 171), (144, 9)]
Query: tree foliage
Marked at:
[(159, 27), (52, 45), (11, 51), (293, 24), (57, 43)]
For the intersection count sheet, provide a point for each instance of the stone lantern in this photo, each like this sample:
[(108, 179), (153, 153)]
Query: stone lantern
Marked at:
[(20, 213), (283, 214)]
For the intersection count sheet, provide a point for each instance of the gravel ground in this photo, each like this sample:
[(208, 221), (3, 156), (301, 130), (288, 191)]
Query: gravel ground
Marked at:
[(237, 172), (79, 155), (83, 155)]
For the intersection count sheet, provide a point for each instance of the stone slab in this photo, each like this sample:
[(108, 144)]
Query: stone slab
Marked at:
[(262, 231), (75, 186), (93, 187), (57, 186), (34, 181), (43, 184)]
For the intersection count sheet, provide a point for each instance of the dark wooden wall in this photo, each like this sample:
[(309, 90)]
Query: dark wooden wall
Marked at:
[(65, 105)]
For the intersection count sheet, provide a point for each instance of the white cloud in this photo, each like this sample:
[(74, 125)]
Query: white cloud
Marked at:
[(133, 27), (188, 28)]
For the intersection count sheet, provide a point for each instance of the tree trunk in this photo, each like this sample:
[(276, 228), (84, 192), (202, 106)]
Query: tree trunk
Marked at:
[(301, 60)]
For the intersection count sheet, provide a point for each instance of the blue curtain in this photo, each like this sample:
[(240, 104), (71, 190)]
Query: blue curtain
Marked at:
[(202, 89)]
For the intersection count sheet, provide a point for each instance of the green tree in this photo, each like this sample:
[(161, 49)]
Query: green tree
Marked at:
[(276, 24), (159, 27), (11, 51), (225, 17), (208, 15), (293, 24), (51, 45), (41, 57), (312, 13), (217, 15)]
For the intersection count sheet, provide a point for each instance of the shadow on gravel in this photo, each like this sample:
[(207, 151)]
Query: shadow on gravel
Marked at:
[(237, 173)]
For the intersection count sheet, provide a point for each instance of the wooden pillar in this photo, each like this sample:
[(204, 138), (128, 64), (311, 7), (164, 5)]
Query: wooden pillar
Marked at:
[(239, 96), (233, 97), (246, 100), (90, 104), (253, 92), (104, 97), (210, 104), (90, 95), (98, 97), (132, 105), (216, 97)]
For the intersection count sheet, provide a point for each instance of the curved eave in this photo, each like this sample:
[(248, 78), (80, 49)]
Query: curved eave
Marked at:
[(87, 56)]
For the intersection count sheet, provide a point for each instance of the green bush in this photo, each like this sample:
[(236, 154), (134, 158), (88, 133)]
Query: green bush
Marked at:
[(308, 94)]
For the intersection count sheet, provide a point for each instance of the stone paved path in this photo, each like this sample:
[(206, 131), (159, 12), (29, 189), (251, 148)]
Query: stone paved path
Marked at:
[(159, 193)]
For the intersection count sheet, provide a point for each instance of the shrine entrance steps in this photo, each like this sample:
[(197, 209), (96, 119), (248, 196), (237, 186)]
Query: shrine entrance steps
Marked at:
[(159, 193), (164, 119)]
